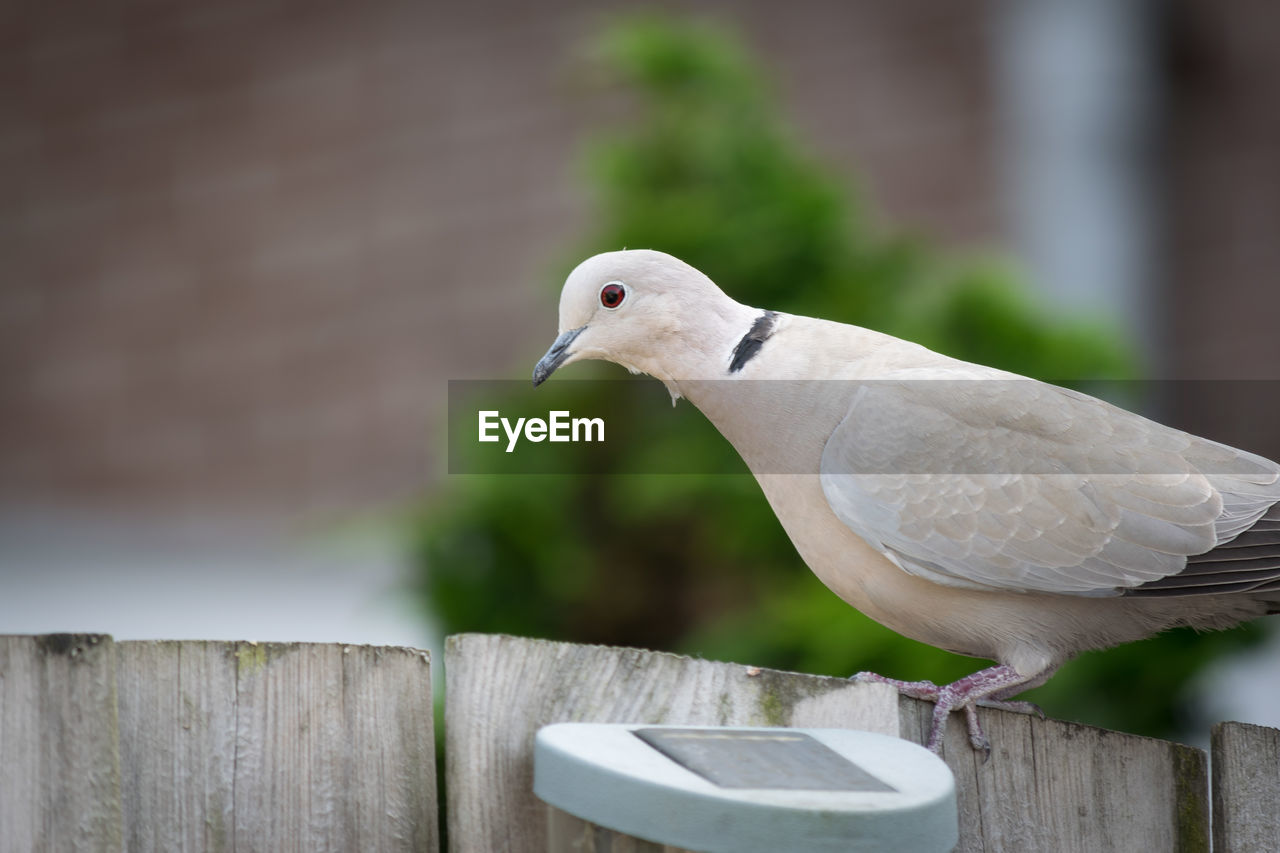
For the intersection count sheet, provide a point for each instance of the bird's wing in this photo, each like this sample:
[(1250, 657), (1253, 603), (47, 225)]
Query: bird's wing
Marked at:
[(1018, 485)]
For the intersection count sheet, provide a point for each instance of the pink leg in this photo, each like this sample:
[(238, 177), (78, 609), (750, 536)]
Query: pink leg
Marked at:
[(986, 687), (1009, 705)]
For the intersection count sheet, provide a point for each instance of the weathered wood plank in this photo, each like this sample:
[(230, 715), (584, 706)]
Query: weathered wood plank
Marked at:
[(277, 747), (1246, 788), (177, 705), (1053, 785), (499, 690), (1049, 785), (567, 833), (59, 754), (334, 749)]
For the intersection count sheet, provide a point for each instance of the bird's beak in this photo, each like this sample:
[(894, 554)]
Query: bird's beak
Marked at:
[(555, 356)]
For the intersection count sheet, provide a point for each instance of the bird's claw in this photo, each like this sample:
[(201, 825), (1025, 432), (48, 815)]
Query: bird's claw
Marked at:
[(925, 690), (1018, 707), (967, 694), (977, 737)]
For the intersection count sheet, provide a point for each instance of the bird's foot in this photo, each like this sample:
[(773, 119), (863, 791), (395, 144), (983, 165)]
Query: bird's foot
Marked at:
[(986, 687), (1017, 707), (926, 690)]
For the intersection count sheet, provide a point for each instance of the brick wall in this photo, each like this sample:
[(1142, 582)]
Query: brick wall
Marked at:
[(249, 242), (1223, 208), (245, 244)]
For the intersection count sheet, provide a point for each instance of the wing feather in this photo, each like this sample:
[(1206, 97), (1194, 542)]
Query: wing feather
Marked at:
[(1018, 485)]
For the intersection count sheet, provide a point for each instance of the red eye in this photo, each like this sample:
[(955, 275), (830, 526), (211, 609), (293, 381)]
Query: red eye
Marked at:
[(612, 294)]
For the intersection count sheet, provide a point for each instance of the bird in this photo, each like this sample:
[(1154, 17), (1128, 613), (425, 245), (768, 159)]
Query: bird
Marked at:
[(970, 508)]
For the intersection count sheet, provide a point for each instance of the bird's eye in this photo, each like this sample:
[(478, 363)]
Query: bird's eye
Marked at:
[(612, 294)]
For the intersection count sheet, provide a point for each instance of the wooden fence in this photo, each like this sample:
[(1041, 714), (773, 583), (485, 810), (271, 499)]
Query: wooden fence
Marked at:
[(145, 746), (193, 746)]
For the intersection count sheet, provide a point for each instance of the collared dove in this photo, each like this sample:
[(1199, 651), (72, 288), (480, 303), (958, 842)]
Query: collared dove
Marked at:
[(1004, 519)]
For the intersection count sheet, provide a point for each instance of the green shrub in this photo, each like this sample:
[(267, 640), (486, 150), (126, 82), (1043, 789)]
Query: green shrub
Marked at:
[(706, 170)]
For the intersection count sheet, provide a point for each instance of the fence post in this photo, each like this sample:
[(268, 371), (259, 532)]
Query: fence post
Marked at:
[(59, 755), (213, 746), (1246, 788), (273, 746), (1049, 785)]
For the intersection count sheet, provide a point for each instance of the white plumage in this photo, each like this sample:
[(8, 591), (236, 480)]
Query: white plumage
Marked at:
[(963, 506)]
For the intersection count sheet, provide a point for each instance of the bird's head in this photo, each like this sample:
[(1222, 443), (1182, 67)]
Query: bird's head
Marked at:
[(645, 310)]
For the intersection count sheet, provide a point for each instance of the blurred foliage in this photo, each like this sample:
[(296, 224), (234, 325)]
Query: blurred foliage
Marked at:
[(706, 170)]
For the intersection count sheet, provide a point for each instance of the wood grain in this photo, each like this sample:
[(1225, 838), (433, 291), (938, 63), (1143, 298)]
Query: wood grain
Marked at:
[(500, 690), (1058, 786), (59, 754), (568, 834), (1049, 785), (277, 747), (219, 746), (194, 746), (1246, 788), (177, 740)]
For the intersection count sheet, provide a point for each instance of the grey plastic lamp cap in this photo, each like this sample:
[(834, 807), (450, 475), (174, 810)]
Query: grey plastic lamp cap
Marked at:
[(759, 789)]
